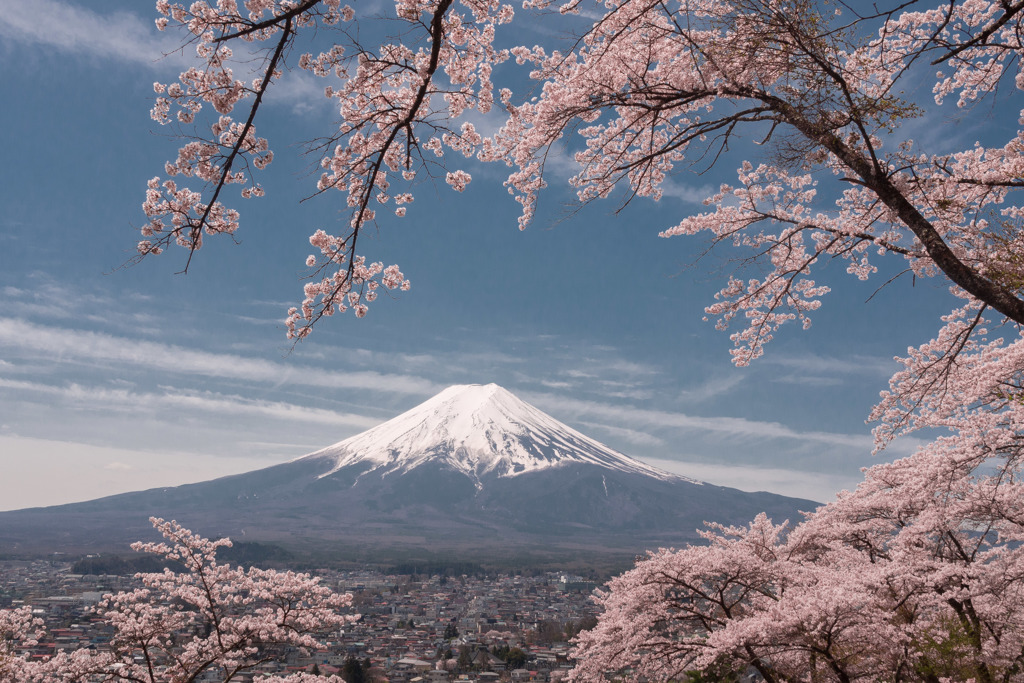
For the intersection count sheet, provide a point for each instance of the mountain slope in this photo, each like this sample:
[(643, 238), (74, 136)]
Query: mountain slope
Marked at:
[(473, 473)]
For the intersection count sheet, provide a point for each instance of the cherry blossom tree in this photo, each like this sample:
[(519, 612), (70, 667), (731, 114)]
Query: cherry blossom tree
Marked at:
[(885, 594), (917, 574), (19, 630), (208, 622)]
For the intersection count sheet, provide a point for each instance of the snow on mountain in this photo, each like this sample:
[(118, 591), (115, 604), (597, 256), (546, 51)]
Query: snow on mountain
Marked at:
[(482, 431)]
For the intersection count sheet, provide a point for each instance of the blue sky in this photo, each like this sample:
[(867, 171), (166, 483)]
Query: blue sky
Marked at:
[(115, 379)]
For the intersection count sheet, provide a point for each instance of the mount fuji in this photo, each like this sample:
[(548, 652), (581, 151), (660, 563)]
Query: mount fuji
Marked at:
[(482, 431), (474, 473)]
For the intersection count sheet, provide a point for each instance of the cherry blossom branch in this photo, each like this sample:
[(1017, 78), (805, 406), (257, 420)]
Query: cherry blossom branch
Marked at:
[(180, 202), (999, 298), (412, 112), (243, 137), (1010, 10), (273, 22)]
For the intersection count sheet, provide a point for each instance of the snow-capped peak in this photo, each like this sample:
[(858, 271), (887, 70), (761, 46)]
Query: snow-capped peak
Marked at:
[(480, 430)]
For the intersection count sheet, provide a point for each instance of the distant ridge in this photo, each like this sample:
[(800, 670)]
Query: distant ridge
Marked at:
[(472, 474)]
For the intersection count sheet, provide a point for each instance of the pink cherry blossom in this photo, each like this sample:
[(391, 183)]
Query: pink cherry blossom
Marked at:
[(210, 621)]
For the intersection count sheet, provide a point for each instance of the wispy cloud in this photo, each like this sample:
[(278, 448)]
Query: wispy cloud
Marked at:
[(131, 38), (550, 384), (689, 194), (625, 434), (829, 365), (735, 427), (716, 386), (67, 28), (45, 342), (304, 92), (808, 381), (171, 400), (814, 486), (41, 293)]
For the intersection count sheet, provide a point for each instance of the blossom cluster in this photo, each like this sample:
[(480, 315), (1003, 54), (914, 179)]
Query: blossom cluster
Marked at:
[(392, 103), (210, 621)]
